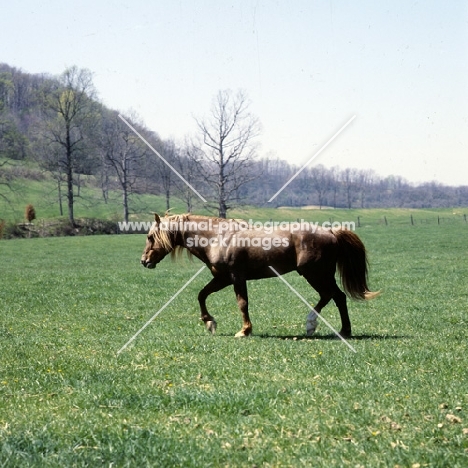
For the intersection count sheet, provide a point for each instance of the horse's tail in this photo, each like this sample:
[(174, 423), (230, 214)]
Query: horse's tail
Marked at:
[(352, 265)]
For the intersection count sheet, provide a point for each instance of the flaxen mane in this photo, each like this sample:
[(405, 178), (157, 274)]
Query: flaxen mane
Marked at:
[(165, 237), (161, 236), (174, 224)]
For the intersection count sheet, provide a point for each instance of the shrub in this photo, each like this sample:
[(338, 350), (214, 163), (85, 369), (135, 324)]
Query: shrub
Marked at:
[(30, 213), (13, 231)]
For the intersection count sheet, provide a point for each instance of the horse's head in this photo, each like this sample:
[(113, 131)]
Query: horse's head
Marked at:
[(157, 246)]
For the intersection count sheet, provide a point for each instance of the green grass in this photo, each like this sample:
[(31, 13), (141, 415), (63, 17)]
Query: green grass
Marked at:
[(179, 397)]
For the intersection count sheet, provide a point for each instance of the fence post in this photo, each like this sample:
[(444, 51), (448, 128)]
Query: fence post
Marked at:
[(385, 219), (412, 220), (358, 221), (438, 219)]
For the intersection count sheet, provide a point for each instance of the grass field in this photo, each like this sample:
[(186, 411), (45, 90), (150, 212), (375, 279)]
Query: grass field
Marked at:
[(179, 397)]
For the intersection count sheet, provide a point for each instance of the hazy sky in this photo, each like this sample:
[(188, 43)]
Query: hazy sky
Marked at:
[(308, 66)]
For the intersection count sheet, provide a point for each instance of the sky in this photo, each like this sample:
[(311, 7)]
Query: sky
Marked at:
[(400, 67)]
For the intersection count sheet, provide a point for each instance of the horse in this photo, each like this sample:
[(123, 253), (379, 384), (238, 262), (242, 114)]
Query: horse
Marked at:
[(236, 252)]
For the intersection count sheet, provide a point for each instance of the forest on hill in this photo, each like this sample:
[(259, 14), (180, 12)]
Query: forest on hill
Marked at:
[(57, 124)]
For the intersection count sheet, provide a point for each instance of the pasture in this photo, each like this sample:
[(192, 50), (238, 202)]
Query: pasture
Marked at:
[(180, 397)]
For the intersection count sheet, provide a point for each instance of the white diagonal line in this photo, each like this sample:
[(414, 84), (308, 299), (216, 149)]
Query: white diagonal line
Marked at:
[(312, 158), (161, 309), (308, 305), (160, 157)]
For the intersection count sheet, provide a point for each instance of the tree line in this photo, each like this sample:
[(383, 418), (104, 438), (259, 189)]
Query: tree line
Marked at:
[(59, 123)]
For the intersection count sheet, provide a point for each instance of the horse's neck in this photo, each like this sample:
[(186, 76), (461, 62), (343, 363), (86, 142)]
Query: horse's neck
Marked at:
[(191, 240), (180, 239)]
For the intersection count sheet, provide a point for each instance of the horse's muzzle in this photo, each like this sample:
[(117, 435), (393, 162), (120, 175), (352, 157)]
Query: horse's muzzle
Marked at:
[(148, 264)]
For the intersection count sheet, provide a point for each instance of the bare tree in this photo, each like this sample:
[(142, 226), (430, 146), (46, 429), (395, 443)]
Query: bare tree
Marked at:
[(365, 180), (71, 109), (277, 171), (320, 181), (335, 183), (186, 162), (348, 178), (165, 173), (227, 147), (104, 176), (49, 157), (123, 151), (4, 181)]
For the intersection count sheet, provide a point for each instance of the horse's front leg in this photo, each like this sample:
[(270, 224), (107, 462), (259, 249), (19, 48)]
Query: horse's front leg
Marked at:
[(240, 288), (216, 284)]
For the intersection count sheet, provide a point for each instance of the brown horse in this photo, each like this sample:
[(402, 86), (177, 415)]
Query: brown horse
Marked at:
[(236, 252)]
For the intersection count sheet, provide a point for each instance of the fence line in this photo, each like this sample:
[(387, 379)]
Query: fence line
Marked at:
[(411, 220)]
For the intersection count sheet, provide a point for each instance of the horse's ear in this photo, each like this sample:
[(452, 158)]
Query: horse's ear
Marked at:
[(167, 212), (157, 219)]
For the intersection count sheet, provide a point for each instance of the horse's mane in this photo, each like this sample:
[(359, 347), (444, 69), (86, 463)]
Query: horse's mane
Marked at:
[(164, 238), (214, 219)]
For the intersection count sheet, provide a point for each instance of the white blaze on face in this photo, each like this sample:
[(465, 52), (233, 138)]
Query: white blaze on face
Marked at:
[(311, 323)]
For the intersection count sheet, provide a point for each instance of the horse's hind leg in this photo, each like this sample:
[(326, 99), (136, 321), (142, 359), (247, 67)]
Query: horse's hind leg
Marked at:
[(216, 284), (311, 322), (339, 297), (328, 290)]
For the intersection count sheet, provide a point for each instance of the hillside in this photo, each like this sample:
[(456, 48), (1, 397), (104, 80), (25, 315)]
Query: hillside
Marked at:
[(70, 156), (30, 185)]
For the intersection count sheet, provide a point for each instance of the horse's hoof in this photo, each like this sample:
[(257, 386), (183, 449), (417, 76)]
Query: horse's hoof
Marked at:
[(241, 334), (311, 327), (211, 326)]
